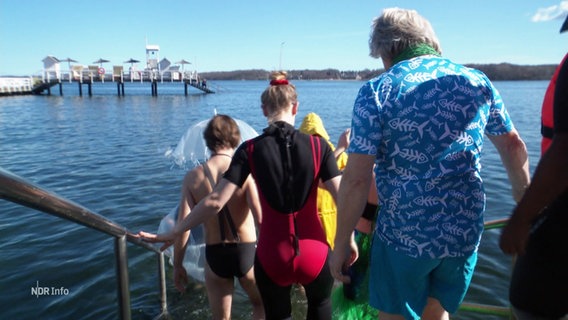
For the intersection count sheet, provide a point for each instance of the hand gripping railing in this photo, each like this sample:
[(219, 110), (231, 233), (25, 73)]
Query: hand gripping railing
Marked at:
[(17, 190)]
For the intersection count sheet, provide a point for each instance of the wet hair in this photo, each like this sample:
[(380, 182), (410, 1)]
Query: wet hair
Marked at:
[(399, 29), (221, 132), (279, 95)]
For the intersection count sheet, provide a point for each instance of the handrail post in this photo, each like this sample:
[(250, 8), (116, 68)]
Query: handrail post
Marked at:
[(19, 191), (162, 271), (122, 275)]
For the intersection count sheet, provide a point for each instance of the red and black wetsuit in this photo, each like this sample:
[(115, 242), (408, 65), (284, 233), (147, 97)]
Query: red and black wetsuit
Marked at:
[(287, 166)]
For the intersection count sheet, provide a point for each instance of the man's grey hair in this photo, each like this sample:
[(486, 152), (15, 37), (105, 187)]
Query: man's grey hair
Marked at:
[(399, 29)]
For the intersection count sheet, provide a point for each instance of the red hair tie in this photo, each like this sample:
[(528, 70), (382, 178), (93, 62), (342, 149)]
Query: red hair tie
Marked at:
[(279, 82)]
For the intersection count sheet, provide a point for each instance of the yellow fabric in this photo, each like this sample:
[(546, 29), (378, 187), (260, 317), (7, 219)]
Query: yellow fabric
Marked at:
[(313, 125), (327, 211)]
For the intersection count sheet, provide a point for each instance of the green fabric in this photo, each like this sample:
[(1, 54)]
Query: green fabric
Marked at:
[(420, 50), (358, 309)]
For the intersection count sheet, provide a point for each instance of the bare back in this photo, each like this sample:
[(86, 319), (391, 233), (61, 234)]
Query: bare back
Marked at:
[(197, 186)]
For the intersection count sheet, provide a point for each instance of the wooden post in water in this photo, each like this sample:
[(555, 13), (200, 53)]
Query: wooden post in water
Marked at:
[(80, 88), (90, 89), (185, 87), (154, 88), (120, 88), (60, 88)]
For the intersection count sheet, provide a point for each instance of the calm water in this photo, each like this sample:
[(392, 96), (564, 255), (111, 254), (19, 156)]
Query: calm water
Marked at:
[(107, 153)]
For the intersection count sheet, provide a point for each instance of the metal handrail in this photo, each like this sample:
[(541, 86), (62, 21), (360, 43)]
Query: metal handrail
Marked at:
[(15, 189)]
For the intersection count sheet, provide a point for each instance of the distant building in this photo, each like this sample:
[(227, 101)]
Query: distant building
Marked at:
[(51, 68), (152, 57), (164, 65)]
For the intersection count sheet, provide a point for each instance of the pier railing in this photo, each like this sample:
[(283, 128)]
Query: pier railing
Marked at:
[(17, 190), (119, 75), (15, 85)]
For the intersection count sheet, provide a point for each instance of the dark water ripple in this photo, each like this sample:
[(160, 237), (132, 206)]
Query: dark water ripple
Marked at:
[(107, 154)]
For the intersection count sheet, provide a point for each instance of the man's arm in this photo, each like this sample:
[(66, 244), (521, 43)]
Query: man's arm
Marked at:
[(342, 143), (549, 181), (515, 159), (180, 244), (208, 207), (353, 193), (253, 200), (205, 209)]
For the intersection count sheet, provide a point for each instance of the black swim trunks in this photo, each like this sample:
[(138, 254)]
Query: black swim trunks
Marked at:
[(228, 260)]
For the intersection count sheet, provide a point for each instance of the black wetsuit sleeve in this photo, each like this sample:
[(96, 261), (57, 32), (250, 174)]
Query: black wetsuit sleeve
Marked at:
[(561, 100), (329, 168), (239, 169)]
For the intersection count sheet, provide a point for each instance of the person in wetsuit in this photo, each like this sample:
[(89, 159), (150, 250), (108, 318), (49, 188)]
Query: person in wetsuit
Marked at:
[(230, 238), (287, 167), (349, 301)]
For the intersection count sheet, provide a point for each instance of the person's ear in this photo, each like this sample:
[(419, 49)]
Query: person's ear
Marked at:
[(264, 112), (295, 107)]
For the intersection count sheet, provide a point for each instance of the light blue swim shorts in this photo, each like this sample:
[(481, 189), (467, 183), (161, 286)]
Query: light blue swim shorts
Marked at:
[(400, 284)]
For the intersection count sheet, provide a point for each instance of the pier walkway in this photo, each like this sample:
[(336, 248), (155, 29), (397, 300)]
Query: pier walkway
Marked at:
[(43, 85), (16, 85)]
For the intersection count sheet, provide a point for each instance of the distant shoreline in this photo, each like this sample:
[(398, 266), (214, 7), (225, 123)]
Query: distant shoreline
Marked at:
[(495, 72)]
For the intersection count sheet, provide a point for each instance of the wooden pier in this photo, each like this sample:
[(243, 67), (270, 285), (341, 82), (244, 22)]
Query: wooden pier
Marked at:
[(44, 85), (154, 73)]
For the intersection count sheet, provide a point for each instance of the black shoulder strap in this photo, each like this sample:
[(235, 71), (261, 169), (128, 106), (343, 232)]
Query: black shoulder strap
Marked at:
[(546, 132), (224, 214)]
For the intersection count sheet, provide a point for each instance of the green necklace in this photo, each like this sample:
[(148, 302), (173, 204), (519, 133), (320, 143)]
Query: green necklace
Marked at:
[(412, 52)]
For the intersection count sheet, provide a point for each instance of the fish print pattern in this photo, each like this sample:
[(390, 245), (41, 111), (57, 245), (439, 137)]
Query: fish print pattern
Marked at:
[(424, 121)]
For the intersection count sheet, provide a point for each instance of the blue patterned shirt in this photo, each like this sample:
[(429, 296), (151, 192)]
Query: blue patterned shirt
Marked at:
[(424, 121)]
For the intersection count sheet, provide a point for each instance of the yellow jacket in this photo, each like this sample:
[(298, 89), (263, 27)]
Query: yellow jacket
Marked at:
[(327, 211)]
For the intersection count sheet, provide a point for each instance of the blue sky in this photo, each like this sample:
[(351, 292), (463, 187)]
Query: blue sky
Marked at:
[(225, 35)]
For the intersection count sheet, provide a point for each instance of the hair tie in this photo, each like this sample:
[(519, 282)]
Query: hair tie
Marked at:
[(279, 82)]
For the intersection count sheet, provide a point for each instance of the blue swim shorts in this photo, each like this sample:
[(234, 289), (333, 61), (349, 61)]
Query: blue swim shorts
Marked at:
[(400, 284)]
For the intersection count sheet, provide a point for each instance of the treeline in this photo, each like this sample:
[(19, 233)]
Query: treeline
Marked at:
[(495, 72), (261, 74), (507, 71)]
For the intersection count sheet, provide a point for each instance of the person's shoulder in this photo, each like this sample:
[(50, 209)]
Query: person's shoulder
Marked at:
[(377, 79), (563, 71), (467, 74), (324, 144), (252, 141), (307, 137), (471, 72), (194, 177)]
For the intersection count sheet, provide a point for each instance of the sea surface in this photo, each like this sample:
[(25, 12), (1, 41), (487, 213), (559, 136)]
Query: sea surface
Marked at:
[(108, 153)]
